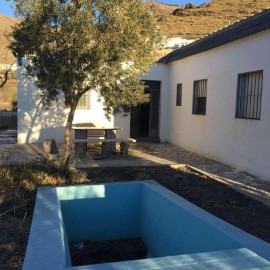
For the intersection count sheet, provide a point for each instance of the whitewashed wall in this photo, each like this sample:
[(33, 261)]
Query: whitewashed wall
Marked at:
[(242, 143), (35, 124)]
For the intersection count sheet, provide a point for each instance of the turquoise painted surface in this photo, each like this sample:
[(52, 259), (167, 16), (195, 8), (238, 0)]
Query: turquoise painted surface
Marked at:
[(169, 229), (103, 212), (128, 210), (168, 223)]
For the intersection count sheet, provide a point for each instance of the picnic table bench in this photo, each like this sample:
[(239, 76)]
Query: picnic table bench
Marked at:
[(124, 143)]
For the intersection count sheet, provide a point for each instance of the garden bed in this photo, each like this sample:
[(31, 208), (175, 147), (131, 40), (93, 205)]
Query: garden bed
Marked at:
[(17, 197)]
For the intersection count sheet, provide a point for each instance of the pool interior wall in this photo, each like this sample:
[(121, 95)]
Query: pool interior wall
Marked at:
[(176, 232)]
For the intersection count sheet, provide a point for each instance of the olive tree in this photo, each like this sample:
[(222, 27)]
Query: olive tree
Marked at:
[(4, 74), (77, 45), (4, 77)]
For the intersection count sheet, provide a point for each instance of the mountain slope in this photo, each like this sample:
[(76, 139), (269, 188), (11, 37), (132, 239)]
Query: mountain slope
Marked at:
[(199, 21), (190, 23), (6, 22), (8, 93)]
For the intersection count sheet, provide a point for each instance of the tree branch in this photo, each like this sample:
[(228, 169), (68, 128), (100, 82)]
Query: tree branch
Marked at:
[(6, 76)]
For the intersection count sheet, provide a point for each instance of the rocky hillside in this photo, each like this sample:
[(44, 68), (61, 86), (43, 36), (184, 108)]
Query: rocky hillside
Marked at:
[(8, 93), (6, 22), (174, 21), (195, 22)]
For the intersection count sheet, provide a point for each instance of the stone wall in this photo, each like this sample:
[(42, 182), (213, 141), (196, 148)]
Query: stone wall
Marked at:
[(7, 114)]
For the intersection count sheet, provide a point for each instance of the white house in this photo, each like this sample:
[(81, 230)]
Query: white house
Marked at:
[(222, 83), (175, 42), (35, 124), (210, 97)]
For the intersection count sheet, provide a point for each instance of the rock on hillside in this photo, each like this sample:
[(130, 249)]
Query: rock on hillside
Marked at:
[(160, 9)]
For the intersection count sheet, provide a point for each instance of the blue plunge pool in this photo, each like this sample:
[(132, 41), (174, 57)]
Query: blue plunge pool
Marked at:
[(177, 234)]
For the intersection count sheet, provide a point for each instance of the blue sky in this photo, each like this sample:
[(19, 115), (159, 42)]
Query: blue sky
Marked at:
[(183, 2), (5, 7)]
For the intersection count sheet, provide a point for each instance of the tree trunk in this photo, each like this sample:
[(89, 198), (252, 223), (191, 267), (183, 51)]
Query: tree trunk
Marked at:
[(68, 137), (2, 84)]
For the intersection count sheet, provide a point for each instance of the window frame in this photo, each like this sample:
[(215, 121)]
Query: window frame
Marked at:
[(84, 102), (179, 88), (199, 100), (249, 95)]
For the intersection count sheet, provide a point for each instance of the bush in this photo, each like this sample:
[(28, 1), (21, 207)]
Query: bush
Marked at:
[(61, 170), (178, 12), (43, 173), (18, 184), (189, 6), (14, 104)]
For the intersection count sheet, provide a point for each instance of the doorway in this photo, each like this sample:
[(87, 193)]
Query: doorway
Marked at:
[(144, 119)]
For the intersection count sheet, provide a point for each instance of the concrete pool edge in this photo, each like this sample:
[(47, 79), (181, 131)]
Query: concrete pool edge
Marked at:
[(47, 221), (244, 237), (240, 259)]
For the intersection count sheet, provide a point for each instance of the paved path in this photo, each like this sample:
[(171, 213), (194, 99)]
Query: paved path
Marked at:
[(152, 154)]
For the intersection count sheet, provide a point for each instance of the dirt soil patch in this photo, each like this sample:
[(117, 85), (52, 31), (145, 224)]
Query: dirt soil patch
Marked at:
[(96, 252), (16, 204)]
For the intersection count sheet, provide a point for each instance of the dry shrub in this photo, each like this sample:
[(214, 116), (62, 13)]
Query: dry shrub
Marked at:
[(6, 177), (18, 184)]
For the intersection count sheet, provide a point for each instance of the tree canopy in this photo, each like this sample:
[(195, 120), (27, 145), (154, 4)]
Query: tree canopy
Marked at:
[(78, 45)]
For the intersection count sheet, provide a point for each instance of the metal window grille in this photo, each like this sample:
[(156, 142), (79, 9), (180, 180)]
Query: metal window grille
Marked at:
[(179, 94), (249, 94), (199, 97), (84, 102)]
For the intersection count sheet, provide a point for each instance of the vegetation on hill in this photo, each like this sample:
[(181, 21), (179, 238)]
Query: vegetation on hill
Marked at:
[(198, 21)]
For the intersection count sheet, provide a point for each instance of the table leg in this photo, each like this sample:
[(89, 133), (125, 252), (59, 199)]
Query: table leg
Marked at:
[(110, 134), (80, 148)]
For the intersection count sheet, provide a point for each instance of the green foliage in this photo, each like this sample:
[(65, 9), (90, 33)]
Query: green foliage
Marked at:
[(189, 6), (14, 102), (79, 45)]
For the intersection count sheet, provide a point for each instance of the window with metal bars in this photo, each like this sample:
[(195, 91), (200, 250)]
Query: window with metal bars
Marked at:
[(249, 95), (199, 97), (179, 94), (84, 102)]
